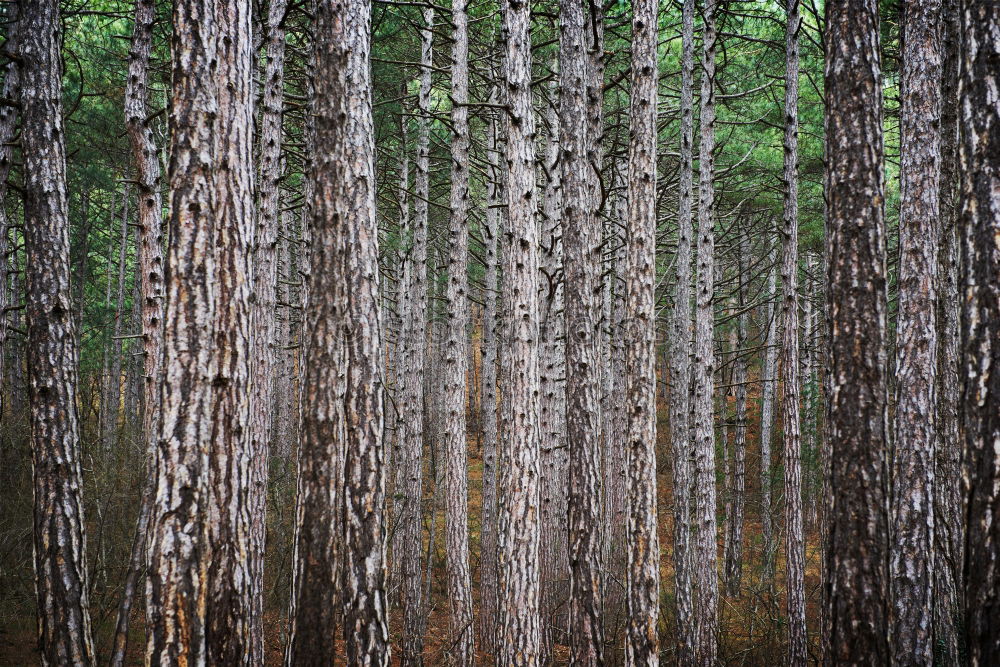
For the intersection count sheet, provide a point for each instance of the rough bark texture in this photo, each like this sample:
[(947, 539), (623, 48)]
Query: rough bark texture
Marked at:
[(704, 553), (228, 484), (552, 378), (198, 582), (643, 575), (911, 559), (264, 313), (680, 365), (461, 646), (737, 474), (795, 593), (488, 535), (150, 270), (409, 479), (63, 615), (315, 598), (582, 248), (980, 227), (8, 125), (768, 381), (857, 530), (519, 641), (949, 504)]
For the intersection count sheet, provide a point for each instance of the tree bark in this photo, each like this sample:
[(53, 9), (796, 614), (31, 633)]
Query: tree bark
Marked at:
[(857, 530), (795, 599), (737, 490), (768, 390), (643, 577), (705, 556), (949, 504), (582, 249), (911, 559), (462, 648), (264, 313), (60, 548), (409, 478), (520, 641), (680, 365), (488, 535), (200, 599), (980, 227)]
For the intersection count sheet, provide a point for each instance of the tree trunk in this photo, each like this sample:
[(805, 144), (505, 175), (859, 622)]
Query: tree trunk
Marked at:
[(265, 282), (149, 272), (409, 478), (8, 125), (795, 600), (200, 598), (911, 559), (680, 366), (768, 390), (520, 641), (60, 547), (643, 643), (980, 225), (705, 556), (582, 248), (857, 545), (949, 504), (737, 489), (455, 386), (488, 534)]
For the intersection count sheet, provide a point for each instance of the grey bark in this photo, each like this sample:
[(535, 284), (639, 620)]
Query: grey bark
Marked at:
[(59, 540), (768, 383), (979, 221), (488, 534), (409, 479), (704, 556), (911, 558), (520, 641), (856, 549), (264, 309), (643, 577), (582, 250), (949, 504), (680, 365), (795, 600), (461, 645)]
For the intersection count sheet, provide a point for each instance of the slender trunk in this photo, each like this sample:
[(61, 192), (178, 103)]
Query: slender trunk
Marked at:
[(857, 532), (60, 548), (680, 375), (795, 601), (980, 225), (265, 281), (115, 378), (455, 384), (768, 389), (704, 556), (409, 479), (520, 641), (911, 559), (643, 643), (488, 539), (737, 488), (582, 247), (149, 271)]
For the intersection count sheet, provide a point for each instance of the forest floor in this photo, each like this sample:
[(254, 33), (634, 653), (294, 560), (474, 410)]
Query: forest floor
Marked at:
[(752, 625)]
